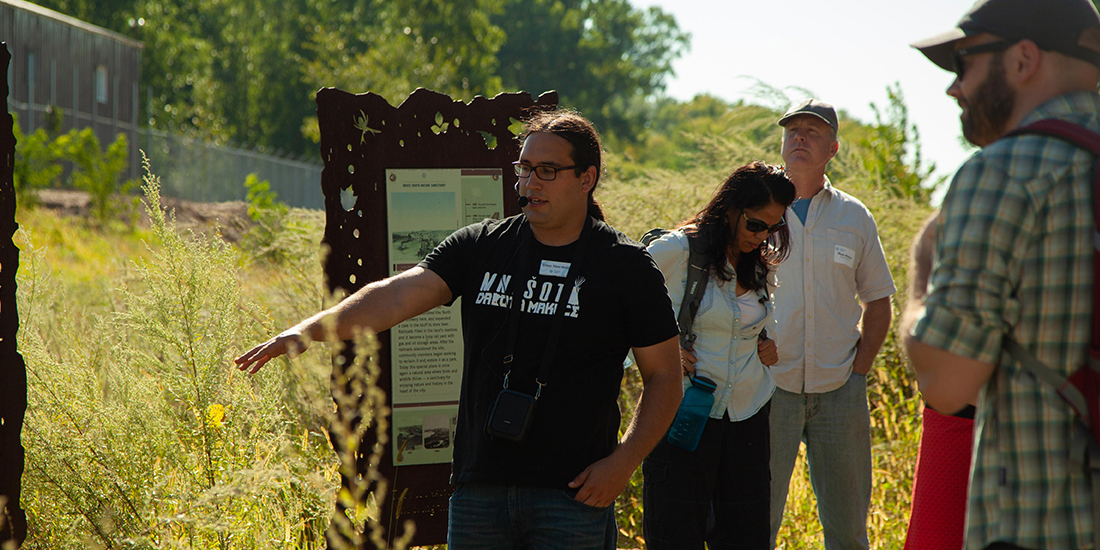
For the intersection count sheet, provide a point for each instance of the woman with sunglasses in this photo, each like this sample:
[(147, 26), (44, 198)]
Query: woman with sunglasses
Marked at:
[(720, 492)]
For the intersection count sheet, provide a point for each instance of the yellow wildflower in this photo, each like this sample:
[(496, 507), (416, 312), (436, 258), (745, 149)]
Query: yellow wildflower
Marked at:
[(215, 414)]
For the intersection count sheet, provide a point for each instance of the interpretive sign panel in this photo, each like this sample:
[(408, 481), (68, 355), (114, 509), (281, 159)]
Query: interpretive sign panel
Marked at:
[(423, 208)]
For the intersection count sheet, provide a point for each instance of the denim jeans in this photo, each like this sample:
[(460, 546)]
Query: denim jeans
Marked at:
[(725, 479), (836, 428), (505, 517)]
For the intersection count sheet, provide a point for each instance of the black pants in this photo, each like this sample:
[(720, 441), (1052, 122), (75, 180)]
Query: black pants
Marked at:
[(727, 475)]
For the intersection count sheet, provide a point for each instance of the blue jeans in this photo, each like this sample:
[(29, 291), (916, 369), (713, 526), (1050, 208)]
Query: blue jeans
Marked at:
[(836, 428), (505, 517)]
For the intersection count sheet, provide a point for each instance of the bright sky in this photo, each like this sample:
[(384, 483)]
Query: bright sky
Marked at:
[(846, 52)]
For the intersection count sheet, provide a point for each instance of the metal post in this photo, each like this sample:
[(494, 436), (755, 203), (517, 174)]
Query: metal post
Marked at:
[(135, 157), (29, 123), (76, 97)]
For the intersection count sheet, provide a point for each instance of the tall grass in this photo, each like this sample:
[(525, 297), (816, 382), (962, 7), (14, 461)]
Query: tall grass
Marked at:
[(139, 435)]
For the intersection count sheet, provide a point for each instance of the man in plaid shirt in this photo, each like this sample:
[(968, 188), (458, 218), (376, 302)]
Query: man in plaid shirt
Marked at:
[(1013, 257)]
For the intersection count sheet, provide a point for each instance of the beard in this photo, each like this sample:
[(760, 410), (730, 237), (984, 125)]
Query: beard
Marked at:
[(989, 110)]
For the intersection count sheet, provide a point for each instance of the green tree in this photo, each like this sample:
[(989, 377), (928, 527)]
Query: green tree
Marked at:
[(110, 14), (246, 71), (600, 55), (392, 48), (227, 70)]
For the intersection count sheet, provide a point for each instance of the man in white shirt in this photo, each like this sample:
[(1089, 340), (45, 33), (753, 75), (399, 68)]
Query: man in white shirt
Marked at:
[(833, 311)]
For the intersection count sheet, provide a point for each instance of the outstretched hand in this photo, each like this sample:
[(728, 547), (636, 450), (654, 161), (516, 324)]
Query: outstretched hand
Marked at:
[(289, 342)]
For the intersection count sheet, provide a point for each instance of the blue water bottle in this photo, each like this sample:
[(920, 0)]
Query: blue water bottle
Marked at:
[(692, 416)]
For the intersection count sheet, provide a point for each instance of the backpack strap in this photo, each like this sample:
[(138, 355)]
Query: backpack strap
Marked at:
[(693, 293), (1064, 130), (1080, 390), (1066, 390)]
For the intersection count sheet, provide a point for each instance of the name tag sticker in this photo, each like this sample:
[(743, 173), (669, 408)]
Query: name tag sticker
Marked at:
[(844, 255), (551, 268)]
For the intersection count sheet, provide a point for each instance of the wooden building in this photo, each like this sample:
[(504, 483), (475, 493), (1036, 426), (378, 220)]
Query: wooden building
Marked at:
[(88, 73)]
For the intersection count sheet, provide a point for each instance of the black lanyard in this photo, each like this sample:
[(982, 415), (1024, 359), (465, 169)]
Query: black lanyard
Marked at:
[(559, 313)]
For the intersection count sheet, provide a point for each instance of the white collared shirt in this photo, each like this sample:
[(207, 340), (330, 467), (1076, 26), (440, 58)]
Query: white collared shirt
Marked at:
[(835, 257), (725, 349)]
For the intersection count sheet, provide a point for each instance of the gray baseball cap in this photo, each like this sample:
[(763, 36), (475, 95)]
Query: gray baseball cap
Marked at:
[(813, 107), (1054, 25)]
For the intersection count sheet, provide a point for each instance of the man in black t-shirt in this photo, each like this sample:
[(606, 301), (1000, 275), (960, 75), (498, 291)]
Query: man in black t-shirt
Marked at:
[(555, 283)]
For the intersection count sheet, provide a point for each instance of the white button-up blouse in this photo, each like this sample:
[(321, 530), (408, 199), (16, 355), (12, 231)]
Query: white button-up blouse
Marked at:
[(725, 350)]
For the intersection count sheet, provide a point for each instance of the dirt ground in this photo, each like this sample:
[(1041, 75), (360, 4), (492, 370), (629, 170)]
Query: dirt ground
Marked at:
[(230, 217)]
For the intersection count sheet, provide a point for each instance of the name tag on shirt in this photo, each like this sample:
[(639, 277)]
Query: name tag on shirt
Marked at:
[(844, 255), (551, 268)]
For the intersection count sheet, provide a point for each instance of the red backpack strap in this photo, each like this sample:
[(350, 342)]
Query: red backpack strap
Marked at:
[(1068, 131)]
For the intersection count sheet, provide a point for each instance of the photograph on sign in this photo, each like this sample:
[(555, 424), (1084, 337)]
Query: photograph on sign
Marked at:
[(423, 435), (420, 218)]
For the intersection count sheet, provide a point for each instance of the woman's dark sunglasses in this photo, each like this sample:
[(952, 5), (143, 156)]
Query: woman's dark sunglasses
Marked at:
[(757, 226)]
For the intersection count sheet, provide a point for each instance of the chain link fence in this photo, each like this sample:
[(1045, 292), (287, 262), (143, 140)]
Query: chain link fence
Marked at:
[(194, 169), (199, 171)]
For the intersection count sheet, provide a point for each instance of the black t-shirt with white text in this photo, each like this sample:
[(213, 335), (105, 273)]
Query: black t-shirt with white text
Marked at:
[(617, 301)]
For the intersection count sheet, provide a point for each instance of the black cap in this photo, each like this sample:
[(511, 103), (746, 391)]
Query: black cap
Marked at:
[(813, 107), (1054, 25)]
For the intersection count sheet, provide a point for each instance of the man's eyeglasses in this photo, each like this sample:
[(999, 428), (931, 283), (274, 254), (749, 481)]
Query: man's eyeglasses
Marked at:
[(757, 226), (958, 55), (545, 173)]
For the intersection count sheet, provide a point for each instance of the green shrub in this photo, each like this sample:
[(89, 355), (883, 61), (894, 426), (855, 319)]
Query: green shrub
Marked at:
[(98, 172), (261, 199), (36, 165), (41, 159), (280, 235)]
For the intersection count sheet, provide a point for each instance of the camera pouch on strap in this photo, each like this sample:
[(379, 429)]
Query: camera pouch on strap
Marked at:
[(511, 415)]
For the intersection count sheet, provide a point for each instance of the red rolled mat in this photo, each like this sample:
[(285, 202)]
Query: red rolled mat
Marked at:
[(937, 512)]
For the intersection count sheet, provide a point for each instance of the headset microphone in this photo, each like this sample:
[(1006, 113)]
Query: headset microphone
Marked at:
[(521, 200)]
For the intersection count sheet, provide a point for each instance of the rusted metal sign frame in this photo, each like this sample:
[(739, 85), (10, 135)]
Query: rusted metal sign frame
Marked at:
[(13, 371), (362, 136)]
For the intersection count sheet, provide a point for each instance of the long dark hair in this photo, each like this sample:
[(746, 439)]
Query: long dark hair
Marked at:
[(582, 135), (754, 185)]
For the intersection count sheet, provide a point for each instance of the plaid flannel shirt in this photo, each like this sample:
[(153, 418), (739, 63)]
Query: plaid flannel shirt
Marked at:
[(1014, 256)]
